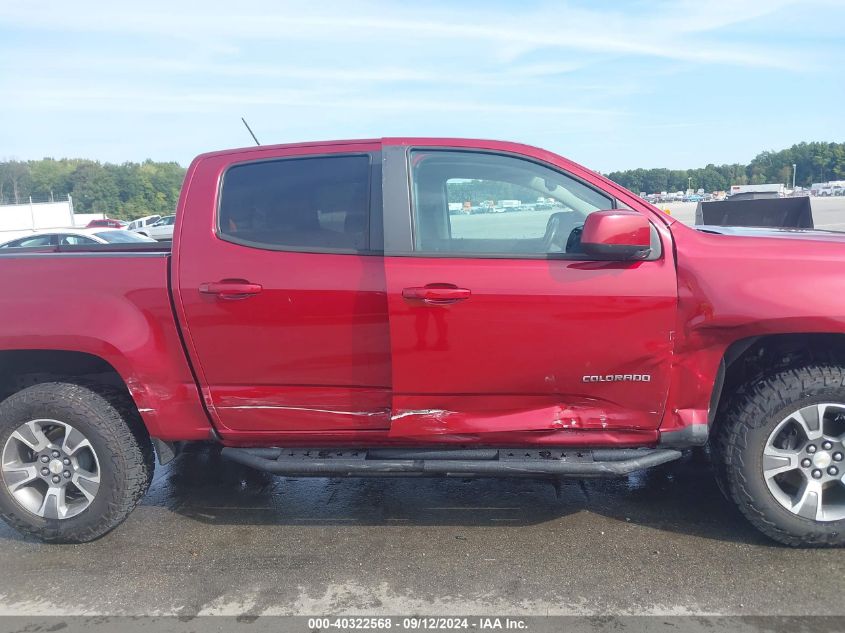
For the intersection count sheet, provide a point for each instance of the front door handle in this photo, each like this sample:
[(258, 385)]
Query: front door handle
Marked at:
[(230, 289), (436, 294)]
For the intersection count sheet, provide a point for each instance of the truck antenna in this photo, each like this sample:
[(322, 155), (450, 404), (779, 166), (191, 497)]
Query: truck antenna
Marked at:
[(249, 129)]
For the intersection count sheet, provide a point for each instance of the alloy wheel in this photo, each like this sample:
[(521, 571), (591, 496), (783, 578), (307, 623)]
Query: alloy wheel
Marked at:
[(50, 468), (803, 462)]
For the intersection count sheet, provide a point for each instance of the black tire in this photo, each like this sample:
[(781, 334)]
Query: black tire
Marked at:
[(741, 435), (112, 425)]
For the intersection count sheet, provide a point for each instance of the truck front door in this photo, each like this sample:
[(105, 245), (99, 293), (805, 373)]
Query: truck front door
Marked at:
[(501, 328)]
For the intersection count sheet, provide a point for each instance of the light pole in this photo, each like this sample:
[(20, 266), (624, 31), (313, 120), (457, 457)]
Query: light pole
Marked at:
[(793, 176), (689, 183)]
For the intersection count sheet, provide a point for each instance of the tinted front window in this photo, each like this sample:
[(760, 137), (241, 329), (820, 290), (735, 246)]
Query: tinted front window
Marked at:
[(298, 204), (471, 202)]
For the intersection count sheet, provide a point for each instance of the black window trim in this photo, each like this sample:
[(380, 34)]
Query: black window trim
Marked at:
[(374, 211), (493, 255)]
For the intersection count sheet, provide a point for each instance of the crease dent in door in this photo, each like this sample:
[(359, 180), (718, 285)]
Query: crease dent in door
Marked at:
[(303, 408), (599, 416)]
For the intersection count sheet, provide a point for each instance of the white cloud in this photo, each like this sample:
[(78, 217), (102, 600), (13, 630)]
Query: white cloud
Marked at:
[(667, 30), (176, 74)]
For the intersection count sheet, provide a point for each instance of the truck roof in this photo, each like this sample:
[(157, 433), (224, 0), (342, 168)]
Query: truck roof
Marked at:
[(387, 140)]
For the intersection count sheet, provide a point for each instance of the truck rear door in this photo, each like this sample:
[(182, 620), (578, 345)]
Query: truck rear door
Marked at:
[(280, 288)]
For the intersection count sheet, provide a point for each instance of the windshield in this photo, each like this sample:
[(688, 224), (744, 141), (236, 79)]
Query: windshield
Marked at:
[(117, 237)]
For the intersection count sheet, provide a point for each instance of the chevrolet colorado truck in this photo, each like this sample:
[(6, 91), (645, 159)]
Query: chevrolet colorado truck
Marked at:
[(370, 308)]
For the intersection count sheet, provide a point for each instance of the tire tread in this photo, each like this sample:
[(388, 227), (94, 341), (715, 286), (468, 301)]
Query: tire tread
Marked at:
[(750, 408), (120, 425)]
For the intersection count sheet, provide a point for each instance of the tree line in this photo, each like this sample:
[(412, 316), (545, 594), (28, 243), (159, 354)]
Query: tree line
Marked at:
[(131, 190), (126, 191), (815, 162)]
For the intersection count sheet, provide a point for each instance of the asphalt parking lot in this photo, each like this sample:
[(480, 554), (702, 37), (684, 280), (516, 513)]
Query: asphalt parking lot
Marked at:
[(212, 537)]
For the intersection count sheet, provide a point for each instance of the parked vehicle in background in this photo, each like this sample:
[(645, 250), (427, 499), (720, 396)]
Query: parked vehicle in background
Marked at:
[(322, 313), (161, 230), (107, 223), (75, 237), (142, 223)]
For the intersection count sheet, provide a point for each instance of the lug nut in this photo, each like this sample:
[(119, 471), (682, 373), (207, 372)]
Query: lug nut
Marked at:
[(66, 474), (811, 449), (66, 461), (806, 463), (45, 459), (833, 471), (827, 446), (56, 453), (817, 474), (45, 471), (56, 479), (837, 457)]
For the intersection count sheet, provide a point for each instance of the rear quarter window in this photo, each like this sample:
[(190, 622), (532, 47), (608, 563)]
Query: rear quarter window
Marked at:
[(311, 204)]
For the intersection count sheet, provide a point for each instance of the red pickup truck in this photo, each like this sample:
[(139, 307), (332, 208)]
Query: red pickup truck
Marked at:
[(372, 308)]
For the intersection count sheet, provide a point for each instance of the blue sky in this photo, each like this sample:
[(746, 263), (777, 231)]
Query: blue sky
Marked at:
[(612, 85)]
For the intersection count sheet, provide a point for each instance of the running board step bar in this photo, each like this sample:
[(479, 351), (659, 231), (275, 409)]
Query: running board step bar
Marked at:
[(400, 462)]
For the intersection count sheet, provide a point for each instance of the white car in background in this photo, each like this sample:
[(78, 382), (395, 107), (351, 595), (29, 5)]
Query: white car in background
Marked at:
[(75, 237), (161, 230), (142, 223)]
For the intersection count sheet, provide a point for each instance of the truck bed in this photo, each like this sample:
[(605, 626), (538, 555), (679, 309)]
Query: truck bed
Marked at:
[(128, 248), (109, 304)]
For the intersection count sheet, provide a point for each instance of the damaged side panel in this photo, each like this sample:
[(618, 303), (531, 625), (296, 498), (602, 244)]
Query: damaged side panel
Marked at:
[(717, 309), (298, 408), (515, 415), (545, 349)]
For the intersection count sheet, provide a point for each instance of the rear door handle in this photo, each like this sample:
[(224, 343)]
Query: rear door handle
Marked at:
[(230, 289), (436, 294)]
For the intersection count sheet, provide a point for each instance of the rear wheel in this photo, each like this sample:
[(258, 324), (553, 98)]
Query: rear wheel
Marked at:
[(73, 462), (781, 452)]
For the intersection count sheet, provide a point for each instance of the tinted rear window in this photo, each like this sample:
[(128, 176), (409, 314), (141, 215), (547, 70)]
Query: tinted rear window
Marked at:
[(301, 204)]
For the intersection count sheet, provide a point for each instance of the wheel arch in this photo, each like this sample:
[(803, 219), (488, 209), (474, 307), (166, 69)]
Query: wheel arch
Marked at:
[(24, 368), (21, 368), (750, 358)]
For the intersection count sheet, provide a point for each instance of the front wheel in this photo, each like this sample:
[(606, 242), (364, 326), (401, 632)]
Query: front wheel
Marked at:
[(73, 462), (781, 453)]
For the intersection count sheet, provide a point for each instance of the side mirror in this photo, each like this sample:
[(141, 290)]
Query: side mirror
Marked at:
[(616, 235)]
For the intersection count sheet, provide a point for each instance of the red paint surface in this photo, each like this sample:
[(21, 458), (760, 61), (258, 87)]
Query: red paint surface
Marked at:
[(336, 350), (617, 227), (117, 309)]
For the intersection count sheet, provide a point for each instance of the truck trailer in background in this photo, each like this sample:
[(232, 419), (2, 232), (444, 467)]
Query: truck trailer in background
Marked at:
[(20, 219)]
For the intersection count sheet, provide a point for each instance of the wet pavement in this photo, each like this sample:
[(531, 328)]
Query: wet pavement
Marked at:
[(213, 537)]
